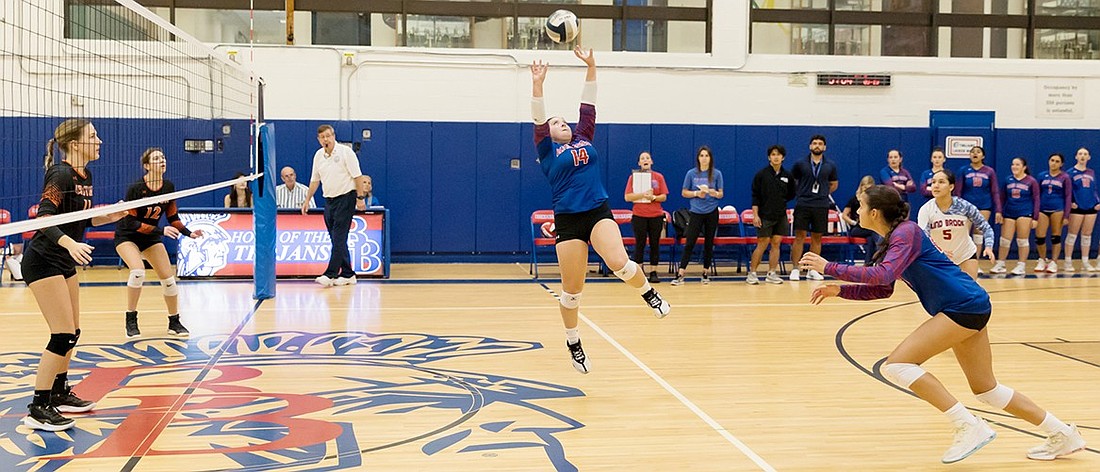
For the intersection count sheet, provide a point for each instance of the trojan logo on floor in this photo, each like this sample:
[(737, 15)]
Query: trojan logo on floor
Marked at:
[(284, 401)]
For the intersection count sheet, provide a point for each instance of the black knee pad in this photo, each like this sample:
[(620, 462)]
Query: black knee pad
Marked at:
[(61, 343), (1041, 241), (1056, 239)]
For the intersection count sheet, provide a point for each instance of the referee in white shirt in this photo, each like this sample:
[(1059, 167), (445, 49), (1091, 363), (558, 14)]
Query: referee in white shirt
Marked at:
[(290, 194), (336, 167)]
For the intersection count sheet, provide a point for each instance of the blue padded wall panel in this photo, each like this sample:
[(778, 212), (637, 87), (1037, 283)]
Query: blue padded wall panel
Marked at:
[(625, 142), (408, 165), (750, 155), (453, 187), (534, 189), (497, 190), (372, 158), (722, 141), (673, 150)]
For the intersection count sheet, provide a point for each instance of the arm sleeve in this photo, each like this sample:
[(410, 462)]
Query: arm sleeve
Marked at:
[(662, 187), (173, 217), (314, 173), (352, 164), (1067, 189), (923, 215), (884, 176), (719, 182), (586, 126), (790, 190), (688, 184), (538, 110), (979, 221), (1036, 192), (995, 187), (904, 247), (52, 193), (757, 201), (866, 292), (960, 182), (832, 174), (925, 190), (629, 184), (910, 186)]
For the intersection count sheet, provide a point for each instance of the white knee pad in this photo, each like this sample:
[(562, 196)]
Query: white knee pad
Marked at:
[(170, 287), (571, 301), (628, 270), (902, 374), (997, 398), (978, 239), (1022, 242), (137, 277), (1005, 242)]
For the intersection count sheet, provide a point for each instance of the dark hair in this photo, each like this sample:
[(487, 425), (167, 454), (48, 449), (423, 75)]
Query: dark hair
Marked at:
[(776, 147), (1060, 157), (68, 131), (1027, 169), (982, 149), (818, 137), (323, 128), (699, 167), (894, 210), (950, 176), (233, 194), (939, 150)]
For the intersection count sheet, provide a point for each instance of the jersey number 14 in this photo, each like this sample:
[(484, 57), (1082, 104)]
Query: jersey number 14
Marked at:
[(580, 156)]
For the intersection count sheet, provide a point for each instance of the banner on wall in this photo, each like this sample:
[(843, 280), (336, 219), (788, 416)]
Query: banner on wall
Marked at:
[(302, 246), (959, 146)]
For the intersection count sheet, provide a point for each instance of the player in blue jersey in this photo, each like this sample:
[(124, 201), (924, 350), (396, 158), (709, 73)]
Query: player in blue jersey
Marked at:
[(960, 310), (1055, 203), (1082, 215), (894, 175), (1020, 201), (978, 185), (581, 215), (938, 159)]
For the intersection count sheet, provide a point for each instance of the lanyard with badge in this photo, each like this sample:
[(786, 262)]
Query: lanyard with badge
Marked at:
[(816, 170)]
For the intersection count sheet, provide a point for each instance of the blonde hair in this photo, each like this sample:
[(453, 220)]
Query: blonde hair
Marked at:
[(68, 131), (866, 182)]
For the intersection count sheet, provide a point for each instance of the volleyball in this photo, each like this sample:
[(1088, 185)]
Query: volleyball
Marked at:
[(562, 26)]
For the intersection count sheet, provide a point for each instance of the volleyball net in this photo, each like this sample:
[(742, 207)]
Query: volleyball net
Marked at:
[(142, 82)]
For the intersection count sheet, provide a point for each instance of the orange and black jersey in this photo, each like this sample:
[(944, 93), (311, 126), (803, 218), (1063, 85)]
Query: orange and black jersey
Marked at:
[(143, 220), (66, 190)]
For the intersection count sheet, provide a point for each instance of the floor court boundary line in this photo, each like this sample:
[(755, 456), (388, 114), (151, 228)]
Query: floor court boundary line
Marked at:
[(717, 427)]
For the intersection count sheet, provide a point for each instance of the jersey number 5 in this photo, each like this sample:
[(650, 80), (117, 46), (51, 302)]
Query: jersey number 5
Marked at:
[(152, 213), (580, 156)]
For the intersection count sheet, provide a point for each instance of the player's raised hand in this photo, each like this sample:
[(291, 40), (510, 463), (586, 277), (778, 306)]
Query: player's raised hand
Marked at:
[(587, 56), (538, 71), (824, 291)]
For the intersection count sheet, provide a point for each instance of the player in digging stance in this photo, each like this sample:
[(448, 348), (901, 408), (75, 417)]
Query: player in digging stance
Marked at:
[(581, 214)]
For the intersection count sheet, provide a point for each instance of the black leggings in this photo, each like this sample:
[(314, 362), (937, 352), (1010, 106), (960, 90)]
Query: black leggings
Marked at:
[(707, 224), (647, 228)]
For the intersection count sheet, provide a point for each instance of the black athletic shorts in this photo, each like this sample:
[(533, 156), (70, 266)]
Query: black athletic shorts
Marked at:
[(143, 241), (41, 264), (579, 225), (814, 220), (1083, 211), (969, 320), (1050, 214)]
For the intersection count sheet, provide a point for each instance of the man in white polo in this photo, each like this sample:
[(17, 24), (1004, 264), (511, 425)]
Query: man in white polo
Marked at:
[(290, 194), (336, 167)]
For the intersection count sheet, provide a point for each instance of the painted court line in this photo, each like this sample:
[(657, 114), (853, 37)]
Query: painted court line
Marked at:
[(675, 393)]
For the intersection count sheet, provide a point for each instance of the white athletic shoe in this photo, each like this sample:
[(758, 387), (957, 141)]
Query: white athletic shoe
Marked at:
[(998, 268), (1052, 267), (752, 279), (1020, 269), (1067, 266), (580, 361), (1057, 445), (772, 278), (1041, 266), (345, 281), (814, 275), (660, 307), (794, 275), (968, 439), (1088, 267), (324, 281)]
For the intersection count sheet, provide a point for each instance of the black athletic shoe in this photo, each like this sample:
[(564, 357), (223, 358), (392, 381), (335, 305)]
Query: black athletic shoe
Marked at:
[(68, 402), (132, 330), (653, 278), (660, 307), (175, 328), (580, 361), (46, 418)]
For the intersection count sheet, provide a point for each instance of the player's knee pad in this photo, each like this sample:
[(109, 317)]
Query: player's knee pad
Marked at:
[(571, 301), (137, 277), (1022, 242), (171, 289), (628, 270), (1005, 242), (1042, 241), (1056, 239), (901, 374), (61, 343), (997, 398)]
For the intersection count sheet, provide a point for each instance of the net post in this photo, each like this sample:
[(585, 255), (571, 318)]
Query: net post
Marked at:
[(264, 214)]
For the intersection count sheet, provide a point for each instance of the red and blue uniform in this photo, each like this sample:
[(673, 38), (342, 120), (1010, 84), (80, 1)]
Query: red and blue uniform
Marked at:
[(576, 183), (979, 187), (1057, 192), (888, 176), (1020, 197), (1084, 188)]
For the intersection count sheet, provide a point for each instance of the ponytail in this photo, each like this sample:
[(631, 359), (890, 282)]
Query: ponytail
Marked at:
[(49, 154), (894, 210)]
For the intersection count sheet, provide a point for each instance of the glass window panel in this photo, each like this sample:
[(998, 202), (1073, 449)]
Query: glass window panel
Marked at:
[(232, 26), (998, 7), (906, 41), (790, 38), (1066, 44), (439, 31), (1007, 43), (337, 28), (687, 36), (532, 35), (111, 22), (791, 4), (854, 40), (920, 6), (1068, 8), (384, 29), (960, 42)]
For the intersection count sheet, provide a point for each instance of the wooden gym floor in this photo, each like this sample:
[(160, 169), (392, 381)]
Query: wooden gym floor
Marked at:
[(463, 367)]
